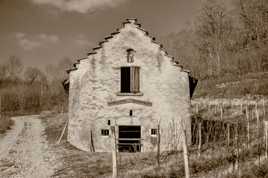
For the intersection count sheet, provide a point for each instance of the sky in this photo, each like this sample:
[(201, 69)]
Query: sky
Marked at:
[(42, 32)]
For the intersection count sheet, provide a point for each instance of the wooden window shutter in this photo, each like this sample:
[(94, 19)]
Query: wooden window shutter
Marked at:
[(130, 79), (135, 79)]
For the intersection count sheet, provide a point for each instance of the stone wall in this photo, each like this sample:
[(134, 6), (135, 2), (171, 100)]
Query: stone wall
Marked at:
[(96, 82)]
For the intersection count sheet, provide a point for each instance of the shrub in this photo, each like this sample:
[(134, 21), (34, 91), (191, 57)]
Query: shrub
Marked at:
[(5, 124)]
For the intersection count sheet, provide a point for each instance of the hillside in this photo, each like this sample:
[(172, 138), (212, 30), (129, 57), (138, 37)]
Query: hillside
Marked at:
[(251, 84)]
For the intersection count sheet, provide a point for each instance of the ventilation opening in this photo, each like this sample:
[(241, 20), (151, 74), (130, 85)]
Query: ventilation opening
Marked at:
[(104, 132), (129, 139), (153, 131)]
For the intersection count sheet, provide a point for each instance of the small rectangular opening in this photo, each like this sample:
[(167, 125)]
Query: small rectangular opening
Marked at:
[(153, 131), (104, 132)]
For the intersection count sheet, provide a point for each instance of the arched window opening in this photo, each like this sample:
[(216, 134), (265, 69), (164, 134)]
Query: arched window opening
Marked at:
[(130, 55)]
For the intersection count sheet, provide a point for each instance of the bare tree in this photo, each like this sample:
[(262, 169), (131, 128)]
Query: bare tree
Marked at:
[(3, 72), (33, 74), (254, 31), (213, 31), (14, 67)]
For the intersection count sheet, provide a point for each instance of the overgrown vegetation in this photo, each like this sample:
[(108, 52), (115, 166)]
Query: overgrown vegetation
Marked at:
[(5, 124), (215, 156), (252, 171), (227, 40), (29, 89), (229, 86)]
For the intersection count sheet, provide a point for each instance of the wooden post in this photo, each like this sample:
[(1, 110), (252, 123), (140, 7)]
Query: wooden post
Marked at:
[(199, 136), (0, 106), (221, 112), (237, 146), (257, 117), (266, 138), (228, 134), (264, 114), (263, 106), (41, 96), (114, 152), (248, 127), (258, 132), (185, 155), (197, 108), (158, 145), (92, 147), (62, 132)]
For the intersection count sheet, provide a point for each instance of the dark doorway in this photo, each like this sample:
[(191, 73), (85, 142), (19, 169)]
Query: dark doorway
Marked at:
[(129, 139)]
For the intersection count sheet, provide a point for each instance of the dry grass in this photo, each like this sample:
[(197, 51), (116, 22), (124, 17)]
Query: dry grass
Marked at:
[(77, 163), (232, 86), (251, 171), (5, 124)]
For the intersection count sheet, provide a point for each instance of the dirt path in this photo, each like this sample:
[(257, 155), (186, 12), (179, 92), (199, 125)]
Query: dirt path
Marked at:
[(24, 151)]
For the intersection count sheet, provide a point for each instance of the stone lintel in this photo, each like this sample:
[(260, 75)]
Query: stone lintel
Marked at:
[(129, 100)]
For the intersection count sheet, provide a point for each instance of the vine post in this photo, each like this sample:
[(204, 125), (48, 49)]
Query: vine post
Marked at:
[(248, 126), (228, 134), (114, 152), (266, 138), (158, 145), (185, 155), (199, 136)]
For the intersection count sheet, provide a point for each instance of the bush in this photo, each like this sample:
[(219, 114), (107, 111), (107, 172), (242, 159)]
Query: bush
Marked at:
[(5, 124)]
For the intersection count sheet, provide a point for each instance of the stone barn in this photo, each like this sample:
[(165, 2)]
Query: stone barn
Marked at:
[(129, 83)]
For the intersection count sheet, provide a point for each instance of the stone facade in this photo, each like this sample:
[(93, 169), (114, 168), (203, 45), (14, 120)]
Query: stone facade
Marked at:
[(95, 98)]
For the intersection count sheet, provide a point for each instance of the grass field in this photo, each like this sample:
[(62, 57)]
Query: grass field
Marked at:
[(5, 124), (233, 86), (215, 157)]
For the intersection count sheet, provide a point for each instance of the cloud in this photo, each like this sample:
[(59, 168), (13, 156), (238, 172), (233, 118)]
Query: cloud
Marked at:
[(82, 41), (28, 42), (48, 38), (81, 6)]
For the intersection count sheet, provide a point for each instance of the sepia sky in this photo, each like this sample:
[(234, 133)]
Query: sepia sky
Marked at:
[(44, 31)]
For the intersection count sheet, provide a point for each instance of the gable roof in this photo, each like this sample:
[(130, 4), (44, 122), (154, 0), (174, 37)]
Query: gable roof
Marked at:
[(107, 38)]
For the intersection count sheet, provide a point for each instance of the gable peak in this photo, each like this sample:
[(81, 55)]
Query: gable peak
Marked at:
[(137, 25), (132, 20)]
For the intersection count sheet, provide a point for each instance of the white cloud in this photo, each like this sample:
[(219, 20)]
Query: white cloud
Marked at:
[(20, 35), (82, 41), (28, 42), (49, 38), (81, 6)]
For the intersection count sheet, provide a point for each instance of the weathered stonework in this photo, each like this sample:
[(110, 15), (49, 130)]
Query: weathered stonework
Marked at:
[(95, 84)]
